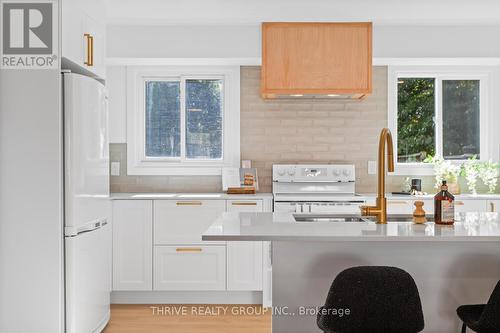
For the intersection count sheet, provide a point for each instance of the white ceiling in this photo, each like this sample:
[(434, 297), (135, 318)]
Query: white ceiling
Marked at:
[(236, 12)]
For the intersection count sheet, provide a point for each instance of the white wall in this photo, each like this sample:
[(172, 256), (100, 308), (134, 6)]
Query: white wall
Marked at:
[(435, 41), (183, 41), (244, 41), (116, 83), (137, 43), (234, 12)]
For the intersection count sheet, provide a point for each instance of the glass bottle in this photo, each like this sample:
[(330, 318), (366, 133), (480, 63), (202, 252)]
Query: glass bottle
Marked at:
[(444, 206)]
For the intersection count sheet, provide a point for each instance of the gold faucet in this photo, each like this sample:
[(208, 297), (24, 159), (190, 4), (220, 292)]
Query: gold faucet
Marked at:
[(380, 209)]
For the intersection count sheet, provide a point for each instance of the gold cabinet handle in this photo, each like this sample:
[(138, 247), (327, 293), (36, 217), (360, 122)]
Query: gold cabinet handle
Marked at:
[(188, 249), (90, 50), (492, 207), (244, 203), (189, 203)]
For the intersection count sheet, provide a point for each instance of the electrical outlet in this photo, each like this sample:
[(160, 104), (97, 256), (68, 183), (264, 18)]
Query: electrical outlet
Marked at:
[(246, 164), (372, 167), (115, 168)]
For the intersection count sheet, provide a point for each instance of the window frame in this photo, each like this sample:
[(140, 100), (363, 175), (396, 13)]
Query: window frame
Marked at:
[(439, 73), (140, 164)]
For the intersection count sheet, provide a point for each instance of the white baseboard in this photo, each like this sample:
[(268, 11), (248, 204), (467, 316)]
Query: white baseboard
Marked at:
[(186, 297)]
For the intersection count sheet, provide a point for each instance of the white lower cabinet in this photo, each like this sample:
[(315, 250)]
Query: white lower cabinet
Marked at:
[(190, 267), (462, 206), (244, 259), (244, 266), (428, 206), (157, 246), (267, 280), (132, 245), (407, 206), (400, 206), (493, 206), (396, 206)]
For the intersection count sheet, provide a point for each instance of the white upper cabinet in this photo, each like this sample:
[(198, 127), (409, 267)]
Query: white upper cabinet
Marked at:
[(97, 32), (83, 35), (132, 245), (72, 32)]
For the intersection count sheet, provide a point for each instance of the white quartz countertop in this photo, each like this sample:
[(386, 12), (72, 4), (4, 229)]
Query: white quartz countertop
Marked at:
[(208, 196), (189, 196), (283, 227)]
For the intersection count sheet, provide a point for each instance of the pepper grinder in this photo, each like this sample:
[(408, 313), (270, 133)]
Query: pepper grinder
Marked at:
[(419, 213)]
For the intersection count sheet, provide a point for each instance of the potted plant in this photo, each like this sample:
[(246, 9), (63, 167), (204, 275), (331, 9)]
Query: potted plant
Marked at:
[(445, 170), (470, 170), (488, 172)]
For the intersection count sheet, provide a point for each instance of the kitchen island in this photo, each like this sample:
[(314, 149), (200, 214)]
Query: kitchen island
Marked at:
[(451, 265)]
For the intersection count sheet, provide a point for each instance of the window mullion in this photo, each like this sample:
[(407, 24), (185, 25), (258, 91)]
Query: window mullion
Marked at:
[(183, 118), (439, 116)]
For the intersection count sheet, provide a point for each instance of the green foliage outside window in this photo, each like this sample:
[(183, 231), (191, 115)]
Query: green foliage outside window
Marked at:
[(416, 128)]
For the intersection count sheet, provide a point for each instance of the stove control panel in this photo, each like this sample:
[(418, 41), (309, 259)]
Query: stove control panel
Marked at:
[(291, 173)]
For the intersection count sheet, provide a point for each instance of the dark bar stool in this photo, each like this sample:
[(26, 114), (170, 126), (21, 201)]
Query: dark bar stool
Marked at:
[(380, 299), (482, 318)]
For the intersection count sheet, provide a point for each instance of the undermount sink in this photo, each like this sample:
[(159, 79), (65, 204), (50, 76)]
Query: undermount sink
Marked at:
[(332, 218), (329, 218), (403, 218)]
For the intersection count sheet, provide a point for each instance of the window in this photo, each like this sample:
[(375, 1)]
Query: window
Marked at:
[(163, 118), (416, 130), (437, 112), (204, 119), (461, 121), (183, 120)]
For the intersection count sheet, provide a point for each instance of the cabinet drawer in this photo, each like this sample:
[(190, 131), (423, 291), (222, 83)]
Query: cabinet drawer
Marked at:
[(462, 206), (399, 206), (244, 205), (190, 267), (428, 206), (184, 221)]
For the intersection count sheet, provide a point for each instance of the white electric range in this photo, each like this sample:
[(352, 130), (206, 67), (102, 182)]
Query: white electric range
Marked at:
[(315, 188)]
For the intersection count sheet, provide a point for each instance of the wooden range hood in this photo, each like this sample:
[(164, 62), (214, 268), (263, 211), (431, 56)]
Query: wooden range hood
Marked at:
[(326, 60)]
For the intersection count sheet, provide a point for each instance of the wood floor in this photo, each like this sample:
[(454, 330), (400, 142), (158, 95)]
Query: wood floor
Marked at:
[(216, 318)]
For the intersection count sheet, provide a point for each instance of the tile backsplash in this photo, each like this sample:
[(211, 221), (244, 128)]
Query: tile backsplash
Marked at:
[(129, 183), (314, 130), (289, 131)]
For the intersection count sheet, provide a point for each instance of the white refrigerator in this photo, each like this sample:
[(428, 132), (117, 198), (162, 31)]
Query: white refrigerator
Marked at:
[(87, 219)]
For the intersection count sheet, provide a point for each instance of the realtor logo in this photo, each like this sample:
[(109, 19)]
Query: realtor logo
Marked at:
[(29, 34)]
